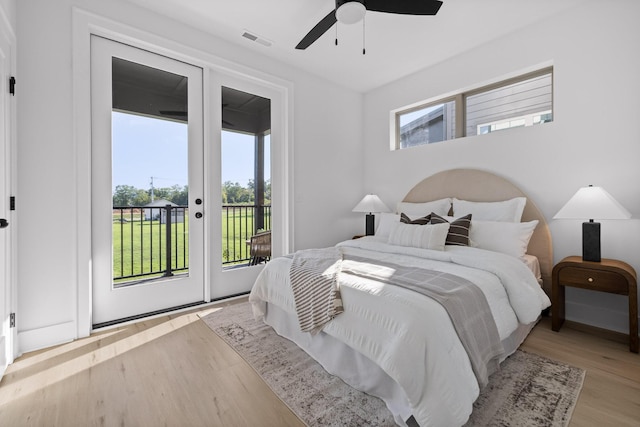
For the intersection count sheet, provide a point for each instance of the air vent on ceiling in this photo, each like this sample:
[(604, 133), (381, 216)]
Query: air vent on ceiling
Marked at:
[(256, 38)]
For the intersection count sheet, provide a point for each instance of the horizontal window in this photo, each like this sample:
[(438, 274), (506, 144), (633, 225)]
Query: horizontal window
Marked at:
[(433, 123), (522, 101)]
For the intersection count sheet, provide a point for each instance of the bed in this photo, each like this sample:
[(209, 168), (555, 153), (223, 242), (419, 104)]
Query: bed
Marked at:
[(405, 347)]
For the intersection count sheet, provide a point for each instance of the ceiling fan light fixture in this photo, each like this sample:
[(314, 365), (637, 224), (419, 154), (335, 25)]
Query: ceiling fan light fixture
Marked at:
[(350, 12)]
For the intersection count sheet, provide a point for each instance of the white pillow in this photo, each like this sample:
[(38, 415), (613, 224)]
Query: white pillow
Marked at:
[(419, 236), (508, 210), (511, 238), (385, 223), (413, 210)]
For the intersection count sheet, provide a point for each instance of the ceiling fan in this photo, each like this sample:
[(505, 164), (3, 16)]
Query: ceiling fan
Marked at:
[(352, 11)]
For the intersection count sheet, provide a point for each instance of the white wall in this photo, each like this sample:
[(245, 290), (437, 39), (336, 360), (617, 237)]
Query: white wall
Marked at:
[(327, 142), (8, 8), (594, 139)]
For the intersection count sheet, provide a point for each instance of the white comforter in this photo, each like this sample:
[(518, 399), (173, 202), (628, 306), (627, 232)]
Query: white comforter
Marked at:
[(410, 336)]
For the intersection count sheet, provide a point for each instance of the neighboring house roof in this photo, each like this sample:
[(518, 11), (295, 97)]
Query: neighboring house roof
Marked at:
[(159, 203)]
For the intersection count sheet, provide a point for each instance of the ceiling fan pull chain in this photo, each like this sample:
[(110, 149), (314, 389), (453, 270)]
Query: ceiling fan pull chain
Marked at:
[(336, 34), (363, 35)]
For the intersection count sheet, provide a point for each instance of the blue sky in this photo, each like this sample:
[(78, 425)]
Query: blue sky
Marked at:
[(145, 147)]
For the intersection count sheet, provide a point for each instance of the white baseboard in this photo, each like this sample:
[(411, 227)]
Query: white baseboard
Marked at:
[(3, 356), (36, 339)]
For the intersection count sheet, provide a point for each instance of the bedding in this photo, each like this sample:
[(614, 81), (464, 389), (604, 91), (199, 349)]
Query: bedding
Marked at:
[(508, 210), (458, 230), (464, 302), (400, 345), (441, 207), (419, 236), (385, 222), (409, 336), (511, 238), (314, 283), (420, 221)]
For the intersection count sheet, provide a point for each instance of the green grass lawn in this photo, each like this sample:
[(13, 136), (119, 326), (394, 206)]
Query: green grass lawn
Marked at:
[(139, 246), (237, 228)]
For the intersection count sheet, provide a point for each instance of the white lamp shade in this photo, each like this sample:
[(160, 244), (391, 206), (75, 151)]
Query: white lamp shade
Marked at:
[(371, 203), (350, 12), (592, 203)]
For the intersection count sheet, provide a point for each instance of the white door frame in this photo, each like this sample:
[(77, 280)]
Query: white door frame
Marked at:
[(8, 334), (86, 23)]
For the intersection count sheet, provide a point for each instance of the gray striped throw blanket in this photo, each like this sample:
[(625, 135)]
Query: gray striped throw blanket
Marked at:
[(314, 281)]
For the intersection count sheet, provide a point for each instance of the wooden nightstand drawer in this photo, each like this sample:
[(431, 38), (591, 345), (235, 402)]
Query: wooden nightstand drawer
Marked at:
[(605, 281)]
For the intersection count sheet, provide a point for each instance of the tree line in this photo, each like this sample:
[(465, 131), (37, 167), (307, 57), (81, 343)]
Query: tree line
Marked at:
[(232, 193)]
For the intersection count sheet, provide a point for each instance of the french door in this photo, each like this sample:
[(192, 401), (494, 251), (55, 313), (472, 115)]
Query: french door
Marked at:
[(248, 120), (147, 182)]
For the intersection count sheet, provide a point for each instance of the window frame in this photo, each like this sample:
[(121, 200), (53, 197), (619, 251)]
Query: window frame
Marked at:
[(441, 101), (460, 100)]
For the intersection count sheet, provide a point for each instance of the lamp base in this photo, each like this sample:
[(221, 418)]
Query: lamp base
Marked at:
[(591, 241), (370, 225)]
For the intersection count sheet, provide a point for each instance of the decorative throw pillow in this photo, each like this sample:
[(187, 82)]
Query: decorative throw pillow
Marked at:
[(420, 221), (386, 221), (419, 236), (458, 230)]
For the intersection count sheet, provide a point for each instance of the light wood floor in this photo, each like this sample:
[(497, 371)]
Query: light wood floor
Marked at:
[(611, 392), (175, 371)]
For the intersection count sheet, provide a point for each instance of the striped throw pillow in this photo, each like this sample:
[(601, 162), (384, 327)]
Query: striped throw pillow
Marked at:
[(458, 230), (420, 221), (419, 236)]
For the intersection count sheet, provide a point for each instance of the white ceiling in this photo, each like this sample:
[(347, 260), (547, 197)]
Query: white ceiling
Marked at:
[(396, 45)]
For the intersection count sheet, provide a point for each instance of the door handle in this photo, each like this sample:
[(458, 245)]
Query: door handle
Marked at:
[(4, 223), (198, 214)]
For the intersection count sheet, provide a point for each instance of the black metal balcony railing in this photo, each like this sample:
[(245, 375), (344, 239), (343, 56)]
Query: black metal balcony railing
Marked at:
[(239, 223), (151, 242)]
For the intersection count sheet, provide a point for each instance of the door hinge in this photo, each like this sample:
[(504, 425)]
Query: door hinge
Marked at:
[(12, 203), (12, 320), (12, 85)]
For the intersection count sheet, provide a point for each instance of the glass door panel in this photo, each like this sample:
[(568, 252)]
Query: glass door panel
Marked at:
[(147, 182), (246, 178), (149, 173)]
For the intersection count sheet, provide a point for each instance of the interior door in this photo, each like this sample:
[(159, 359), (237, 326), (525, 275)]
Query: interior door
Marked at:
[(147, 182), (6, 334)]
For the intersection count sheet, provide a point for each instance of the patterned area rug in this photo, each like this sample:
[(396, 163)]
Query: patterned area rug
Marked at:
[(529, 390)]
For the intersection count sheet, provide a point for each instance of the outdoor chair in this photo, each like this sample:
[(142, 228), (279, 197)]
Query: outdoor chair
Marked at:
[(260, 247)]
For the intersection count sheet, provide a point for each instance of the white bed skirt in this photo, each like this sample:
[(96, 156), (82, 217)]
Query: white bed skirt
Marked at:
[(355, 369)]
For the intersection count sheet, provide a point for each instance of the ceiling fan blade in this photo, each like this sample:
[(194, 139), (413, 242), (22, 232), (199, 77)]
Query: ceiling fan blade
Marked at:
[(405, 7), (317, 31)]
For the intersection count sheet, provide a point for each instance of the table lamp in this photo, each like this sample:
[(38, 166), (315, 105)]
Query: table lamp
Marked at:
[(589, 203), (370, 203)]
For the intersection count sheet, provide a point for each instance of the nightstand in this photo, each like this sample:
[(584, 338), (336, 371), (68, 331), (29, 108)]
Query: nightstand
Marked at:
[(612, 276)]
